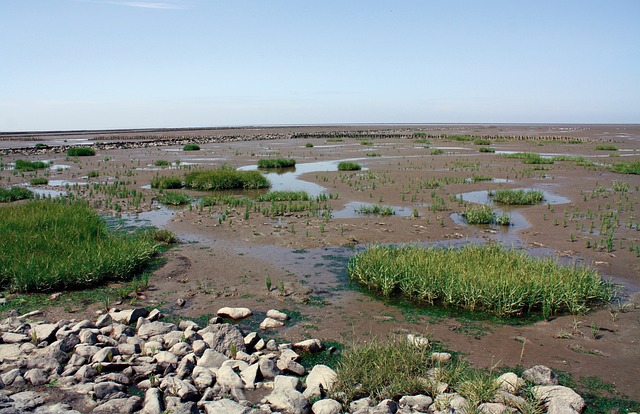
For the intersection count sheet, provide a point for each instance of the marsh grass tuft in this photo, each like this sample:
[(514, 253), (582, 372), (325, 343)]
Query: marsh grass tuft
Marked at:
[(627, 167), (226, 178), (39, 181), (517, 197), (14, 194), (81, 152), (284, 196), (191, 147), (349, 166), (487, 278), (376, 210), (277, 163), (50, 245), (484, 215), (22, 165), (174, 198), (166, 182)]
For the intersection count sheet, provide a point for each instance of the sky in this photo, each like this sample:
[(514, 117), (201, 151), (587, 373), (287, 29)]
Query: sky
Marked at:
[(110, 64)]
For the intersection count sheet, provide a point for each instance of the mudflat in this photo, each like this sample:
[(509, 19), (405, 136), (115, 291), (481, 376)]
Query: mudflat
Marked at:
[(425, 174)]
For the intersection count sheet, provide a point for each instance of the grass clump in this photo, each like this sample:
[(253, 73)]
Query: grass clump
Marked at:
[(606, 148), (349, 166), (484, 215), (627, 167), (487, 149), (81, 152), (284, 196), (517, 197), (376, 210), (49, 245), (14, 194), (309, 145), (530, 158), (437, 151), (481, 141), (162, 163), (226, 179), (23, 165), (488, 278), (277, 163), (173, 198), (165, 182), (39, 181), (191, 147)]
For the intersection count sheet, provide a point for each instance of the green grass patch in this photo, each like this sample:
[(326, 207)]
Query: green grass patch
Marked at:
[(627, 167), (162, 163), (81, 152), (478, 178), (480, 214), (376, 210), (461, 138), (191, 147), (277, 163), (517, 197), (373, 154), (166, 182), (487, 149), (530, 158), (437, 151), (23, 165), (606, 148), (39, 181), (226, 179), (173, 198), (51, 245), (349, 166), (481, 141), (15, 194), (308, 145), (488, 278), (93, 174), (284, 196)]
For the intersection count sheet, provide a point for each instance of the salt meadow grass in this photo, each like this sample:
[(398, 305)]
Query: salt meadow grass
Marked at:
[(14, 194), (481, 214), (276, 163), (166, 182), (517, 197), (225, 179), (191, 147), (23, 166), (50, 245), (349, 166), (488, 278), (81, 152)]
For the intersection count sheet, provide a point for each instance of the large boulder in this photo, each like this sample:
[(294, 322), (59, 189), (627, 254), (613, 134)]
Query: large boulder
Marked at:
[(223, 338), (289, 400), (558, 399), (320, 379), (234, 313), (540, 375), (225, 406)]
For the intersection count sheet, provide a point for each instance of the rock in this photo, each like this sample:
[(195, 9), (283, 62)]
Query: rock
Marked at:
[(385, 407), (85, 373), (419, 402), (152, 402), (128, 316), (88, 336), (172, 338), (510, 382), (327, 406), (45, 332), (309, 345), (291, 366), (36, 377), (129, 349), (441, 357), (105, 354), (223, 338), (119, 406), (199, 346), (165, 358), (86, 351), (179, 388), (14, 338), (270, 323), (234, 313), (228, 379), (212, 359), (251, 339), (283, 381), (225, 406), (202, 379), (155, 328), (27, 400), (268, 368), (417, 340), (103, 390), (495, 408), (173, 405), (11, 352), (540, 375), (277, 315), (558, 399), (104, 320), (180, 302), (509, 399), (186, 365), (289, 400), (320, 379), (8, 377), (360, 405), (59, 408), (251, 375)]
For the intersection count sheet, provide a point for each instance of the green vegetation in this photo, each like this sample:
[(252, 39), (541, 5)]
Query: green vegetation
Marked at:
[(606, 148), (226, 179), (39, 181), (191, 147), (162, 163), (22, 165), (49, 245), (308, 145), (376, 210), (284, 196), (517, 197), (166, 182), (477, 178), (626, 167), (484, 215), (93, 174), (277, 163), (41, 145), (173, 198), (14, 194), (487, 149), (373, 154), (481, 141), (437, 151), (461, 138), (81, 152), (530, 158), (486, 278), (349, 166)]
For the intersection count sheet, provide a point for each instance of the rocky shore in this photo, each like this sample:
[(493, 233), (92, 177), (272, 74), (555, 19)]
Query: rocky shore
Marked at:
[(130, 361)]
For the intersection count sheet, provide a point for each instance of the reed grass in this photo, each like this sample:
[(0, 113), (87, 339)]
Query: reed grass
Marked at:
[(14, 194), (376, 210), (39, 181), (530, 158), (488, 278), (50, 245), (162, 163), (606, 148), (487, 149), (166, 182), (626, 167), (276, 163), (226, 179), (517, 197), (481, 214), (81, 152), (284, 196), (191, 147), (349, 166), (173, 198), (23, 165)]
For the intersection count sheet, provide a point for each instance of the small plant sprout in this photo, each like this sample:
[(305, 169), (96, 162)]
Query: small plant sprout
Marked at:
[(281, 289), (268, 283)]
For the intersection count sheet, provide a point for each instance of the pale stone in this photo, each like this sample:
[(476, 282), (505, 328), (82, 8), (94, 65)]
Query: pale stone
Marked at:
[(540, 375), (153, 402), (277, 315), (225, 406), (309, 345), (234, 313), (327, 406), (270, 323)]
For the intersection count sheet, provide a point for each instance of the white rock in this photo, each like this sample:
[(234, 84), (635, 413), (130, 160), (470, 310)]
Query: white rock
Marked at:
[(416, 402), (234, 313), (153, 402), (277, 315), (289, 400), (540, 375), (309, 345), (510, 382), (270, 323), (417, 340), (212, 359), (558, 399), (225, 406), (327, 406), (228, 378), (441, 357), (155, 328)]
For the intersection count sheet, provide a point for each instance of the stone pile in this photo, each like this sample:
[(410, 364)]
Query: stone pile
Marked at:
[(131, 361)]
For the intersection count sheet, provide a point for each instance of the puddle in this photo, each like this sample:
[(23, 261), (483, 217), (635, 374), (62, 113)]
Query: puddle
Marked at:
[(482, 197), (350, 210), (59, 167), (158, 217), (65, 183)]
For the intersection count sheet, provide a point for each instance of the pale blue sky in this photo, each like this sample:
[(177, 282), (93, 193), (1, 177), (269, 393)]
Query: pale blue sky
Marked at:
[(90, 64)]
